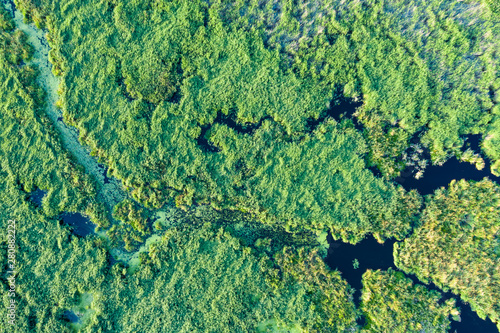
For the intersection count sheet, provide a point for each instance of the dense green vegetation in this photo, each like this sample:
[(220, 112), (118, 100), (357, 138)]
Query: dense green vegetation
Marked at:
[(430, 67), (426, 68), (140, 94), (31, 154), (196, 278), (392, 303), (52, 265), (147, 83), (457, 246)]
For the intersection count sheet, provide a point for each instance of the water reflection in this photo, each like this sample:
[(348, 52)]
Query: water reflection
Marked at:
[(71, 316)]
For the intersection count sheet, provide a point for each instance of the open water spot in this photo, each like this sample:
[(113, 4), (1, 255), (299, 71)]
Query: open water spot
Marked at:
[(71, 317), (369, 254), (339, 109), (375, 171), (436, 176), (81, 225), (36, 197)]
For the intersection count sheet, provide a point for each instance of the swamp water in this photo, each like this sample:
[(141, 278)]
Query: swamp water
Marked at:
[(368, 253), (372, 255), (80, 225), (111, 190)]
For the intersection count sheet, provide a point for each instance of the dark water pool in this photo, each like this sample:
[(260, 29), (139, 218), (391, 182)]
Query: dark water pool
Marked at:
[(440, 176), (80, 225), (339, 109), (372, 255), (71, 316), (36, 197)]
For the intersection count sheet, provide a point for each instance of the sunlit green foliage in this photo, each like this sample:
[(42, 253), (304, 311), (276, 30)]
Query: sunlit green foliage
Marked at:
[(322, 285), (392, 303), (6, 23), (210, 283), (33, 11), (145, 82), (130, 212), (134, 225), (197, 278), (31, 153), (317, 180), (140, 81), (458, 245), (427, 67)]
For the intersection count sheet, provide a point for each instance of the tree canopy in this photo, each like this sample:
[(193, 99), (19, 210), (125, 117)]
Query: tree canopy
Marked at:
[(392, 303), (457, 245)]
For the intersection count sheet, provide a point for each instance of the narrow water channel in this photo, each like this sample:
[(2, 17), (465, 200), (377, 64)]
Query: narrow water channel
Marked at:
[(110, 189), (369, 253), (372, 255), (339, 109)]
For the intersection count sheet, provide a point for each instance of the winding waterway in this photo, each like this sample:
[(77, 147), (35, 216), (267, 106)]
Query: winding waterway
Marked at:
[(369, 253), (372, 255)]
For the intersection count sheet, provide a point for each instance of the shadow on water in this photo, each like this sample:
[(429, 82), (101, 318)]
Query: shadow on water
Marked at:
[(36, 197), (80, 225), (105, 174), (372, 255), (440, 176), (203, 141)]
